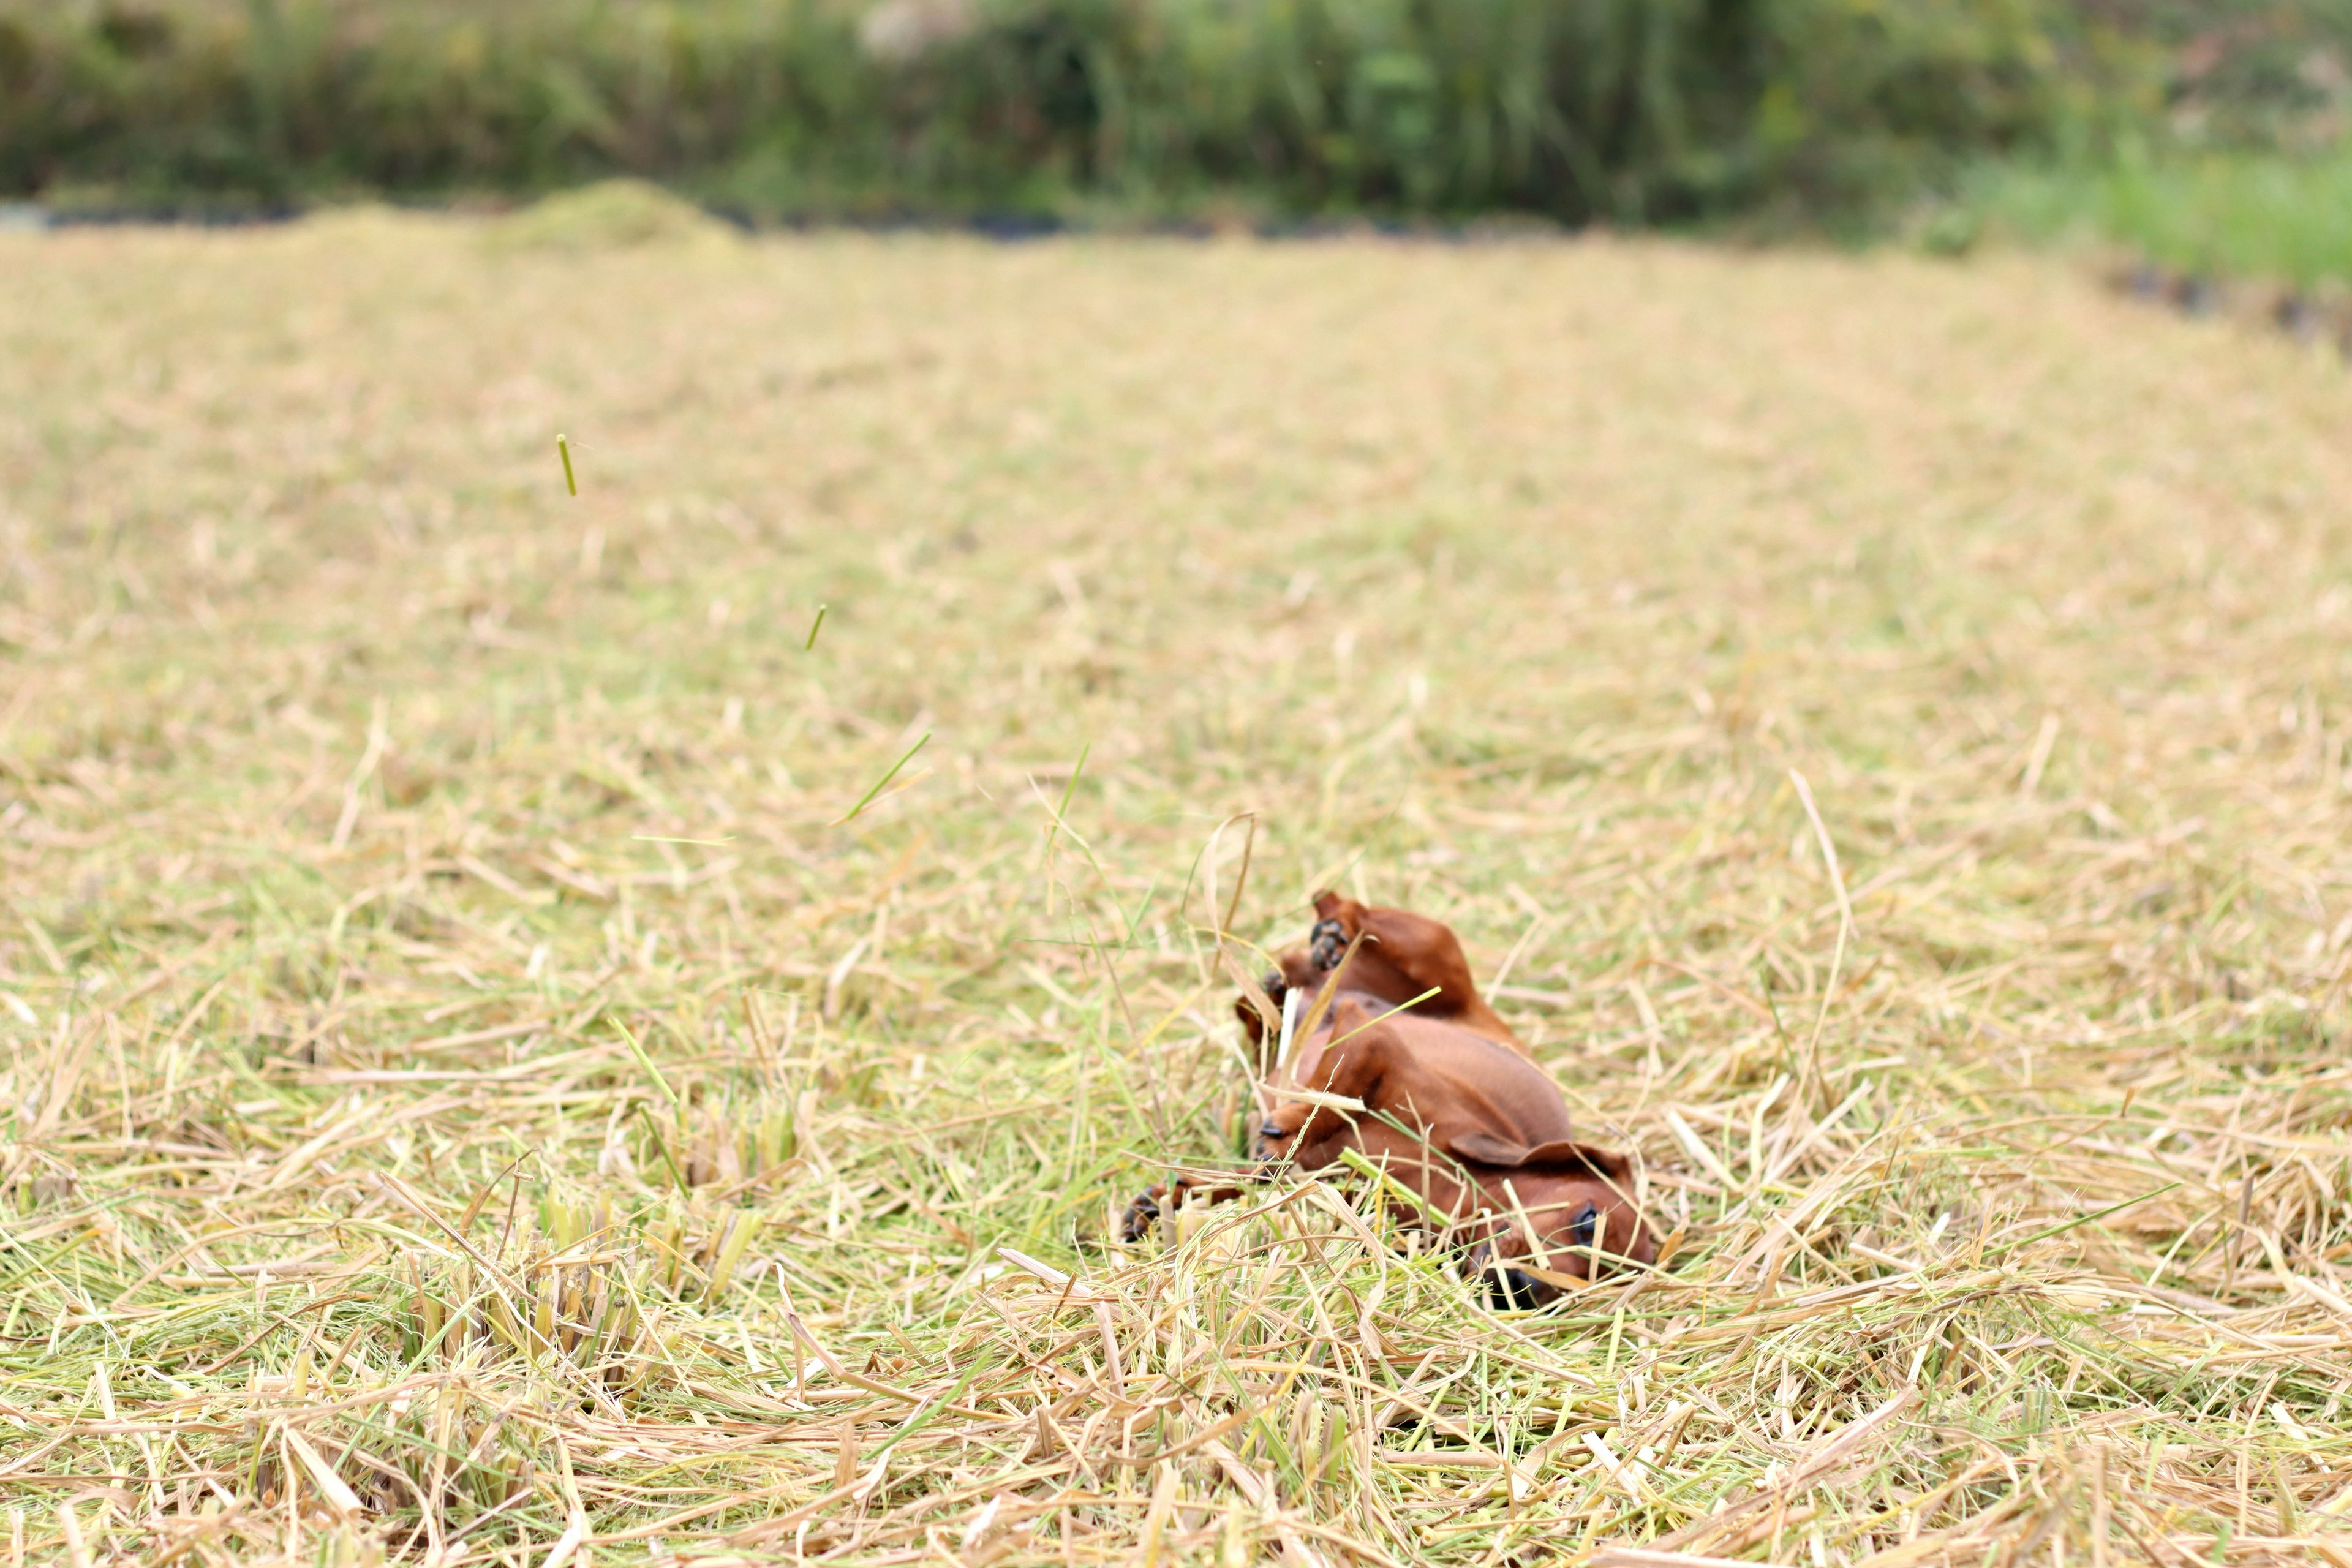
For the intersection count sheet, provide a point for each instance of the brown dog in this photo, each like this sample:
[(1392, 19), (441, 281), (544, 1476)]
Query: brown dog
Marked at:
[(1461, 1118)]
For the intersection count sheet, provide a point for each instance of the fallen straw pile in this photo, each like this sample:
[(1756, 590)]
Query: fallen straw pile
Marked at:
[(469, 1096)]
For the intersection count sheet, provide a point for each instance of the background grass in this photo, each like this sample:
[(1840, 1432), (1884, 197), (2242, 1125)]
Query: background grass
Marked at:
[(2242, 215), (2236, 172), (358, 787)]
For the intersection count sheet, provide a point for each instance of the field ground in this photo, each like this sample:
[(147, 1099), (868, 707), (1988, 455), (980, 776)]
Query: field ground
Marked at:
[(359, 787)]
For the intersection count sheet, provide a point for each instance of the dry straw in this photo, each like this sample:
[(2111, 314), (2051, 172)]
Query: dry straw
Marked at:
[(466, 1098)]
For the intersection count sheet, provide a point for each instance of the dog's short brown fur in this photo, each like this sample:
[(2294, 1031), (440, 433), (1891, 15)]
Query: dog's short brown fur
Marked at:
[(1442, 1104), (1402, 957)]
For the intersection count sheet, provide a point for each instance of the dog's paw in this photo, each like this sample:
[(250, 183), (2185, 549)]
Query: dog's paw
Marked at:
[(1252, 1026), (1142, 1215)]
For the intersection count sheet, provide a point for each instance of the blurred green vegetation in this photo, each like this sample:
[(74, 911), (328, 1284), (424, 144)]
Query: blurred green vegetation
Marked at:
[(1621, 111), (2236, 214), (2205, 133), (2242, 171)]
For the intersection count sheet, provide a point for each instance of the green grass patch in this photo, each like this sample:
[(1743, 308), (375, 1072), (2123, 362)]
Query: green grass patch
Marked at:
[(2240, 215)]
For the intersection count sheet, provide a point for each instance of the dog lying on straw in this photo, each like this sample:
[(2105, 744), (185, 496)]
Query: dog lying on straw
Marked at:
[(1389, 1057)]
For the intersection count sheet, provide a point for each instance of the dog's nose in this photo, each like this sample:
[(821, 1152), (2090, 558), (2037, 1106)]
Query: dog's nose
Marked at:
[(1508, 1287)]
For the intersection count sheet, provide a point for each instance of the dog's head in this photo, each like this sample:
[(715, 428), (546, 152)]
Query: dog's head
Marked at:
[(1562, 1218)]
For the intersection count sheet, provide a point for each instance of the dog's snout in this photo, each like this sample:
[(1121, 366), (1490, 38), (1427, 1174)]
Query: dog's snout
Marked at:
[(1509, 1288)]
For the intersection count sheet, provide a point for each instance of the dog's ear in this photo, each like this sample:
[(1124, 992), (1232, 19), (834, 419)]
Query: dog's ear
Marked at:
[(1608, 1165), (1561, 1154), (1486, 1149)]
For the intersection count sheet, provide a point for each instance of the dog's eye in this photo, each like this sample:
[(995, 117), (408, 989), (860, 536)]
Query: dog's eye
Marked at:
[(1272, 1133), (1580, 1230)]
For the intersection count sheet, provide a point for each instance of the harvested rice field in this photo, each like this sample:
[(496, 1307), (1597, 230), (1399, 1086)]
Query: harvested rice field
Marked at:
[(477, 1087)]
